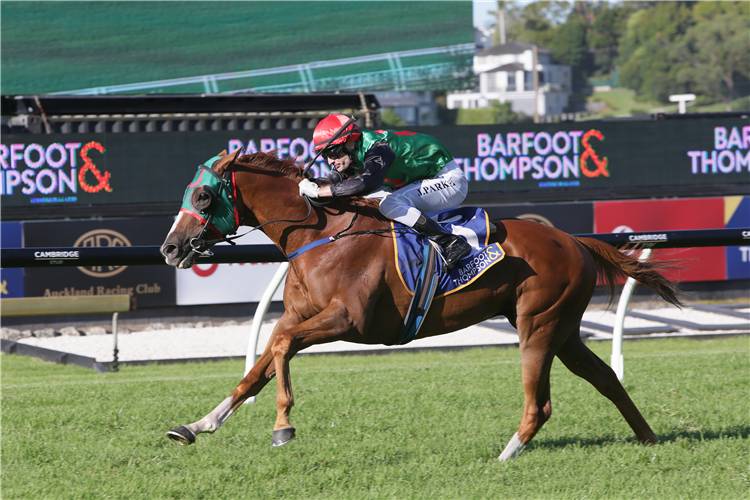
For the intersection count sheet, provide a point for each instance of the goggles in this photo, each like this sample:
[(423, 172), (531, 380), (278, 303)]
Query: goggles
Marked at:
[(336, 151)]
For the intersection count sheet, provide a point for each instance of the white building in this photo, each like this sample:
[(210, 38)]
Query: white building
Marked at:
[(506, 74)]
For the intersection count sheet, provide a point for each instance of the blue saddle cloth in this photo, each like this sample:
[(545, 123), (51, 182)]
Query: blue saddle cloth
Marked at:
[(472, 224)]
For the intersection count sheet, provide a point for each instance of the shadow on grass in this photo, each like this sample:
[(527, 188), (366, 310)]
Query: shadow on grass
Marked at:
[(735, 432)]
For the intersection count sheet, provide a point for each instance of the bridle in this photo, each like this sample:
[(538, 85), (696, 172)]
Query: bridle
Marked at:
[(222, 199)]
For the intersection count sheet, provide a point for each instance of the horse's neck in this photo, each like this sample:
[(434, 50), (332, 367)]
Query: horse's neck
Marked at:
[(276, 202), (276, 198), (322, 222)]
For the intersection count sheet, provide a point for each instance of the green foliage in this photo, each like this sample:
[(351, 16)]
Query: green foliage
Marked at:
[(497, 113), (678, 47), (660, 48), (391, 119), (715, 56), (570, 47), (408, 425), (605, 33)]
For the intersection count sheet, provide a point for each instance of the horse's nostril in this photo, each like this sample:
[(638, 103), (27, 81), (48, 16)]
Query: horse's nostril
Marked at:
[(168, 250)]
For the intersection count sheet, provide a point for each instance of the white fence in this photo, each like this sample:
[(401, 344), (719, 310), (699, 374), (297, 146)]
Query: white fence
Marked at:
[(399, 76)]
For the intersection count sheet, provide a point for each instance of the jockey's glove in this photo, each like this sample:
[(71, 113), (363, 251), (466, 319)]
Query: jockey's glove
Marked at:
[(308, 188)]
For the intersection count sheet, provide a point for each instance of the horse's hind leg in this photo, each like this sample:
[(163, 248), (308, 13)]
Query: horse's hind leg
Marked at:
[(580, 360), (536, 362)]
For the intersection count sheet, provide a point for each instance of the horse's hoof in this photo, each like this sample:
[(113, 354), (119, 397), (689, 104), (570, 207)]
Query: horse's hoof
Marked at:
[(182, 435), (282, 436)]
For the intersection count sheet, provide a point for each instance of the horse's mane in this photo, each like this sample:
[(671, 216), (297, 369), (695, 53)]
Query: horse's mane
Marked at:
[(289, 167), (269, 161)]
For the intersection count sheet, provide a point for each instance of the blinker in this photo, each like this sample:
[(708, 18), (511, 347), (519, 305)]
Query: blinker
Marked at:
[(212, 199), (220, 215)]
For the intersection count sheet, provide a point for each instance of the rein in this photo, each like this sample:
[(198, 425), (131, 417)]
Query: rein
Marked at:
[(201, 245), (338, 236)]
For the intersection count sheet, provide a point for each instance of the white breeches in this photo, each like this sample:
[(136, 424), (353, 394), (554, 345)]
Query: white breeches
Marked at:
[(447, 189)]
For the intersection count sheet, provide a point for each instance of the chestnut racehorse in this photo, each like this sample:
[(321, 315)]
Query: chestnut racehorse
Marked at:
[(349, 290)]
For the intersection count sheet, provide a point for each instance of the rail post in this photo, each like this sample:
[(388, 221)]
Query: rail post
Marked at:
[(115, 360), (617, 360), (260, 313)]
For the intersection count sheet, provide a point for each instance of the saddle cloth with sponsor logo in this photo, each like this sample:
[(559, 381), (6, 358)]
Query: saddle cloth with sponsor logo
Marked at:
[(472, 224)]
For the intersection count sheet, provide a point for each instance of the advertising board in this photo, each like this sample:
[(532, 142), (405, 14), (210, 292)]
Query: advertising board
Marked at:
[(152, 286), (600, 156), (737, 214), (546, 162), (699, 264), (11, 280), (573, 218), (228, 283), (123, 168)]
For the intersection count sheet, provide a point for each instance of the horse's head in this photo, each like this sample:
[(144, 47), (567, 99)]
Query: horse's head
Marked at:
[(208, 214)]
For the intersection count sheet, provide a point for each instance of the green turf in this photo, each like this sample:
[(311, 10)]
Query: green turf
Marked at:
[(59, 46), (406, 425)]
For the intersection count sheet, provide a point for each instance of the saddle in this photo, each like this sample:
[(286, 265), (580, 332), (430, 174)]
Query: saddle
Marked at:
[(423, 272)]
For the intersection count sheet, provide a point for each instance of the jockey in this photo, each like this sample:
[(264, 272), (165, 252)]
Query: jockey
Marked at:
[(410, 173)]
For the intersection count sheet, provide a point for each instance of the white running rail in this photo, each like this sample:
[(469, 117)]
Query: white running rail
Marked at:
[(617, 360), (303, 71)]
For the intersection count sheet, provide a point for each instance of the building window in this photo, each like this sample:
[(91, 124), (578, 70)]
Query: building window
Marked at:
[(511, 82), (492, 85)]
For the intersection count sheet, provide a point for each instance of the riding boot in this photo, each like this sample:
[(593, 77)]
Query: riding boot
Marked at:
[(454, 247)]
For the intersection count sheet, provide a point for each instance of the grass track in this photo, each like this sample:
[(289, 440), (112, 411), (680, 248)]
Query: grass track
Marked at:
[(406, 425)]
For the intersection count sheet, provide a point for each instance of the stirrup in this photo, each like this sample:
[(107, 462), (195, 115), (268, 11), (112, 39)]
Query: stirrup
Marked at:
[(455, 251)]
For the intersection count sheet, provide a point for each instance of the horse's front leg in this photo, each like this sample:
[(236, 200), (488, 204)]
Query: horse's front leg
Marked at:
[(329, 325), (261, 373)]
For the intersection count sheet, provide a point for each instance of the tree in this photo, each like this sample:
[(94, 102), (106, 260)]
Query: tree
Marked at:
[(605, 34), (715, 52), (648, 66), (569, 47), (533, 22), (505, 20)]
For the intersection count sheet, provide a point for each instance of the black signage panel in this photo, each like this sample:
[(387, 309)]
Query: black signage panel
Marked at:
[(573, 218), (153, 286), (584, 158)]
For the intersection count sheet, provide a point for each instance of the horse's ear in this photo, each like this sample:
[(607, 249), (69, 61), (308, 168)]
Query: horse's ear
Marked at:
[(221, 165)]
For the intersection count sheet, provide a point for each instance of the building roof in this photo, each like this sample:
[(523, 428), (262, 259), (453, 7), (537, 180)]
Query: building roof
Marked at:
[(506, 67), (511, 48)]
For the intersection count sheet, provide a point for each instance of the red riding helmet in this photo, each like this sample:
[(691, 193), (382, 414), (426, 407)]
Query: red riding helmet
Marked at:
[(330, 126)]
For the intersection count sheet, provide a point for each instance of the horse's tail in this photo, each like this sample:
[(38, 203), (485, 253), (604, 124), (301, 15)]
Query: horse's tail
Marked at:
[(613, 265)]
